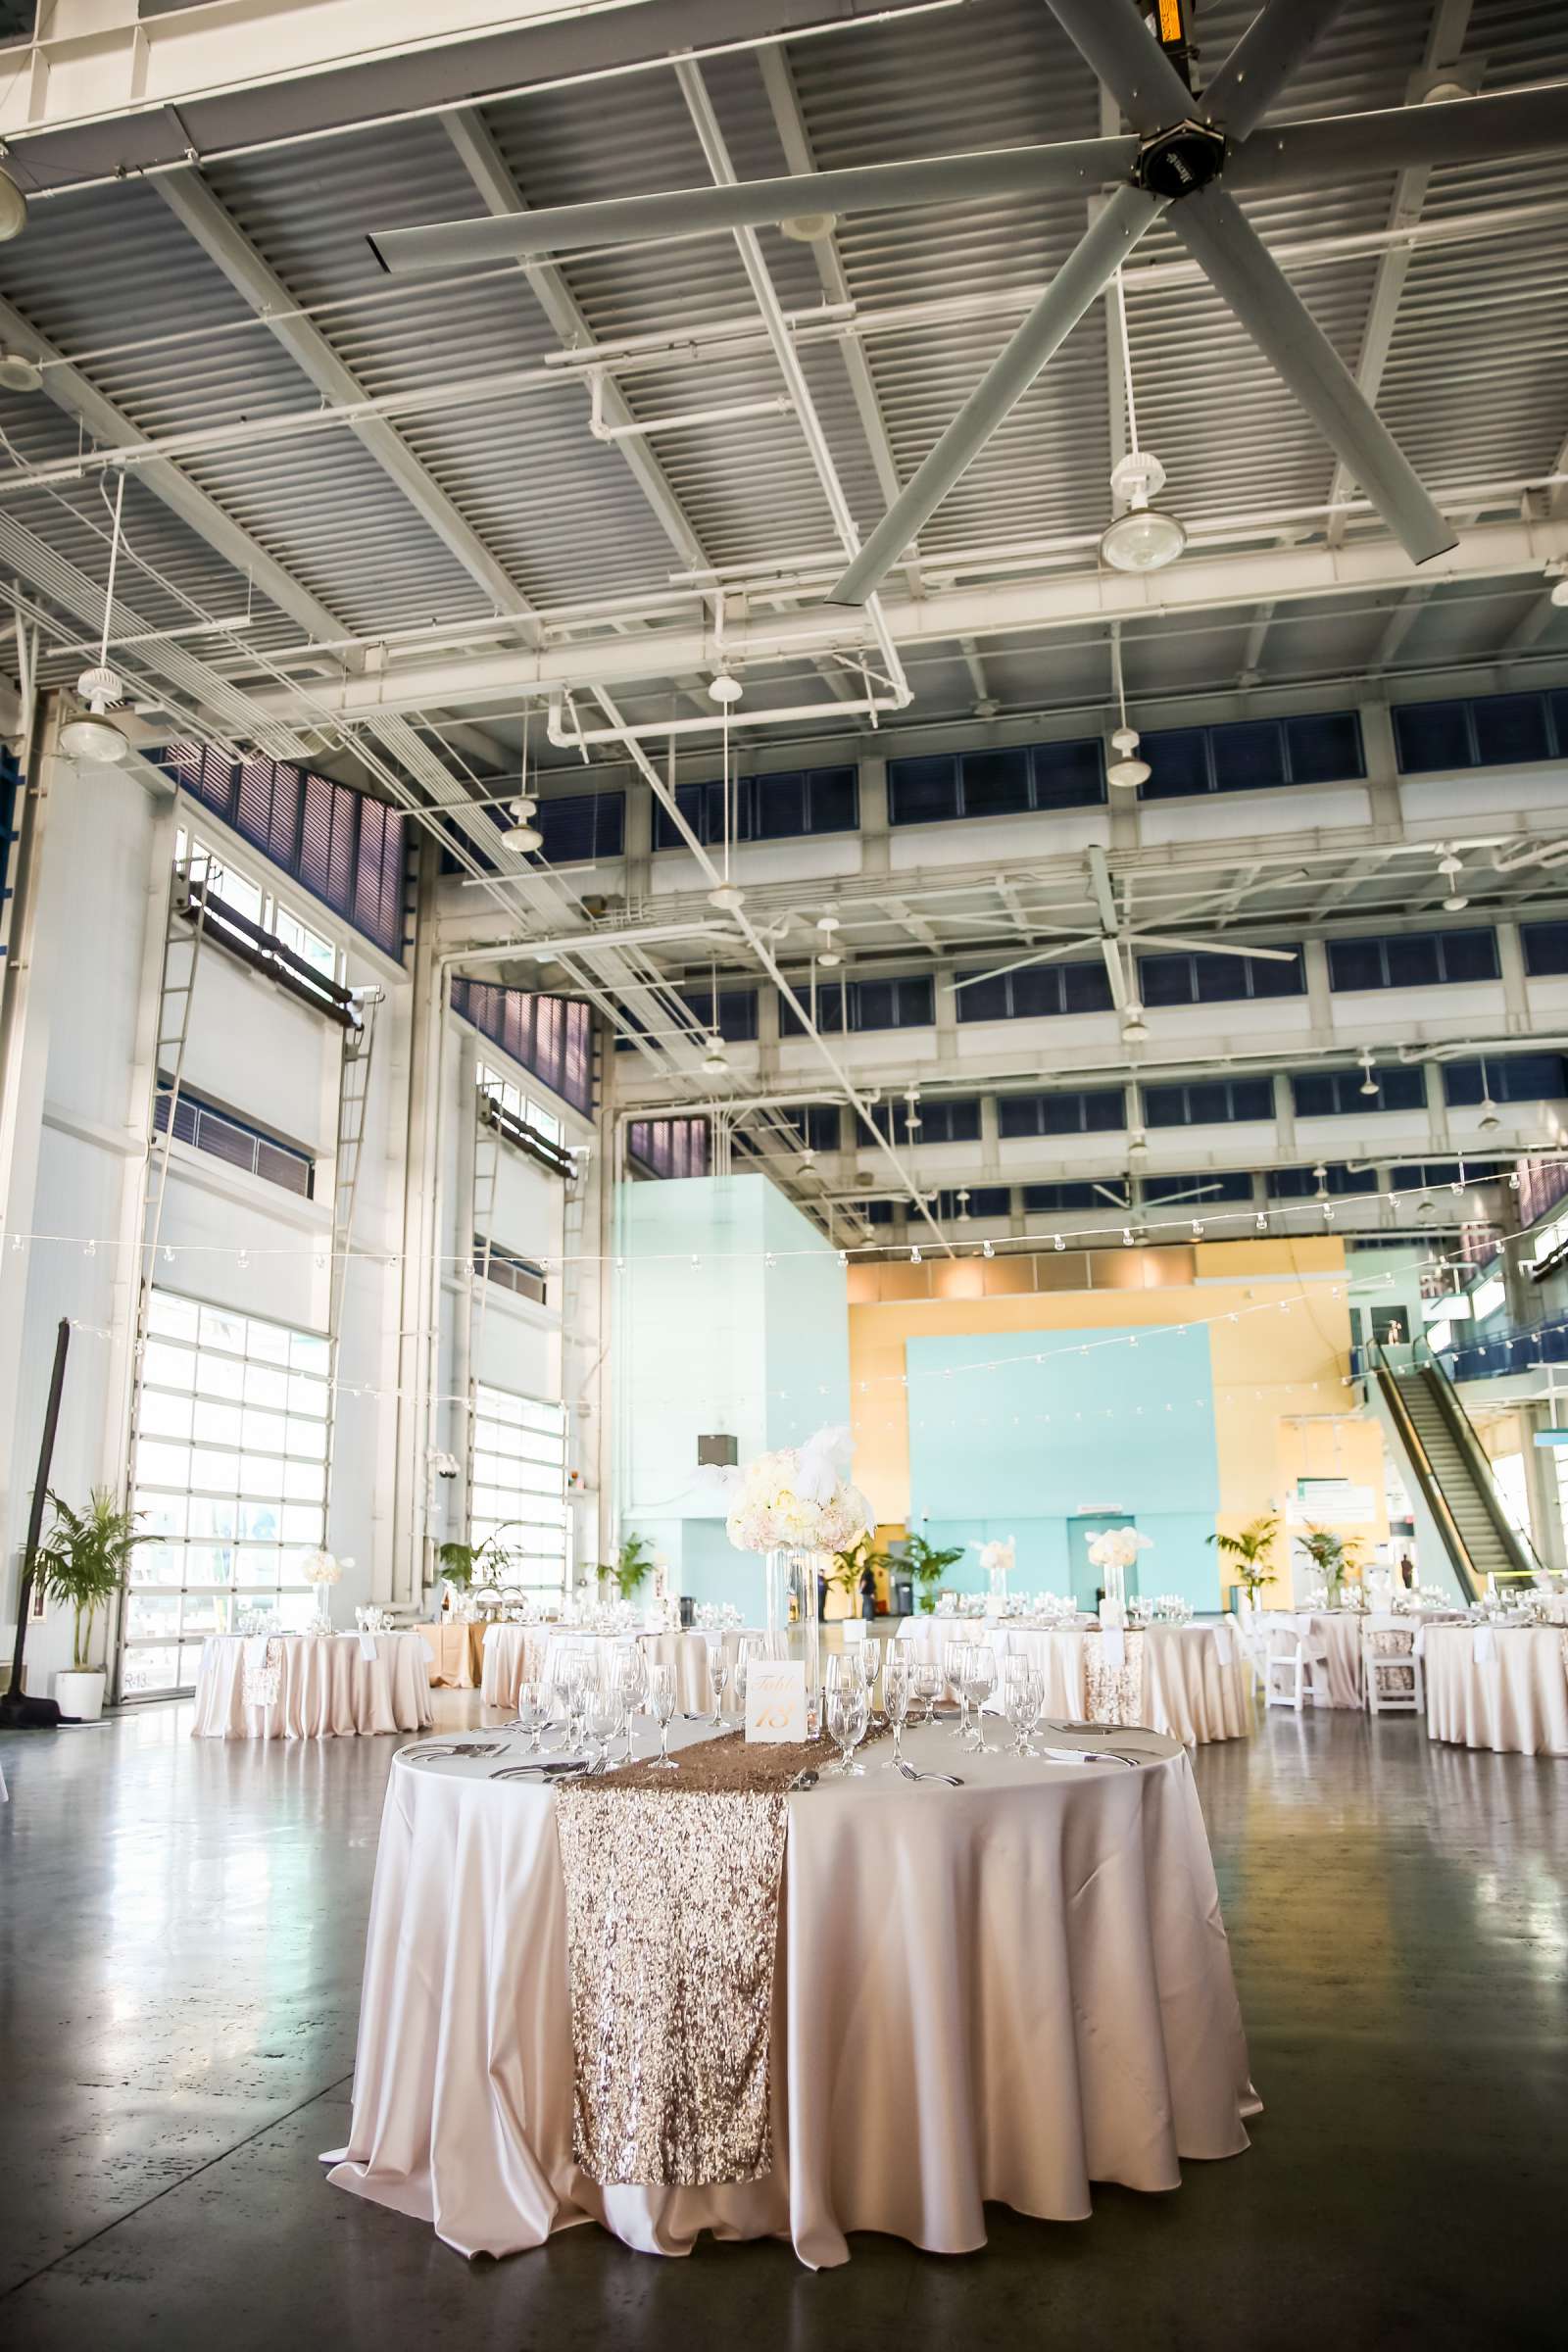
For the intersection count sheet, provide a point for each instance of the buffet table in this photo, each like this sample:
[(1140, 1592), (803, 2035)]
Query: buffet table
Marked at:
[(1186, 1679), (1499, 1686), (1053, 2005), (310, 1686), (457, 1653), (515, 1654)]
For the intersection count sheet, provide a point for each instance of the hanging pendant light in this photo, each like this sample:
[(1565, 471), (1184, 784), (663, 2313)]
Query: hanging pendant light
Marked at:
[(714, 1060), (1126, 770), (93, 738), (523, 835), (13, 208), (1142, 538)]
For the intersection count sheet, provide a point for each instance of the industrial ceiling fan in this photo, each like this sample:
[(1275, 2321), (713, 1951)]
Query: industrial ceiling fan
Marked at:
[(1119, 939), (1184, 147)]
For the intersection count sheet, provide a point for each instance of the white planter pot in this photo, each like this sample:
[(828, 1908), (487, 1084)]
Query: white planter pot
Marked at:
[(81, 1694)]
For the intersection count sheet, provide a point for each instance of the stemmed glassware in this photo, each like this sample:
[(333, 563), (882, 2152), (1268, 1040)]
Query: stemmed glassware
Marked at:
[(955, 1660), (870, 1662), (718, 1679), (1023, 1696), (929, 1683), (847, 1711), (533, 1713), (898, 1695), (979, 1681), (661, 1706), (606, 1715)]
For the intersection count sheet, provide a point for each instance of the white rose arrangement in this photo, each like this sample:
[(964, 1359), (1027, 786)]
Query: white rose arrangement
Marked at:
[(799, 1498), (322, 1568), (1118, 1547)]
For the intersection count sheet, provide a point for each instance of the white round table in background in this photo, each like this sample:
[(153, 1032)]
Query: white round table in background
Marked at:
[(515, 1654), (1000, 1991), (330, 1685), (1194, 1683), (1499, 1687)]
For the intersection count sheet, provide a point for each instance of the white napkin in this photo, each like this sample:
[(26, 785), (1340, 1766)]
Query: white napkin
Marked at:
[(367, 1648), (1484, 1645), (254, 1653), (1222, 1644), (1113, 1649), (1066, 1755)]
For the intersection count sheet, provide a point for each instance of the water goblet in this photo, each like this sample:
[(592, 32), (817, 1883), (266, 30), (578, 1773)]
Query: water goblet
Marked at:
[(605, 1716), (929, 1687), (533, 1713), (1021, 1695), (717, 1681), (845, 1712), (957, 1662), (661, 1706), (979, 1681)]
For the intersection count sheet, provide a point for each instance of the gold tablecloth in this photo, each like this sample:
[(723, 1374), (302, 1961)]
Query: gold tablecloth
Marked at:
[(457, 1653)]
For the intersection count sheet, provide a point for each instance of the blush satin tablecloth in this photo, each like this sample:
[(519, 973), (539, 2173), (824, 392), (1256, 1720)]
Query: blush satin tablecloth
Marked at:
[(1195, 1676), (328, 1688), (457, 1653), (1006, 1990), (518, 1653), (1499, 1686)]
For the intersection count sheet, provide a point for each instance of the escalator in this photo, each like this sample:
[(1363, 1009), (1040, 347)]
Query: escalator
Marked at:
[(1448, 1465)]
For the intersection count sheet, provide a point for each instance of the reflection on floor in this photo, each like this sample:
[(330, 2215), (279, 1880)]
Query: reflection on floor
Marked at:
[(181, 1936)]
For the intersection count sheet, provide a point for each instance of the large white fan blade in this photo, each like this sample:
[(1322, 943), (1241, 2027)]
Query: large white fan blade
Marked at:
[(1213, 946)]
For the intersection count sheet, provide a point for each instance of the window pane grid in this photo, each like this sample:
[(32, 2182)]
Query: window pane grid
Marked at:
[(517, 1486), (230, 1478)]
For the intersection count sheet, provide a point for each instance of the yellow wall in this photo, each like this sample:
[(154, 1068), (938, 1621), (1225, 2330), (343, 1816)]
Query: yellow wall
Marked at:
[(1267, 1365)]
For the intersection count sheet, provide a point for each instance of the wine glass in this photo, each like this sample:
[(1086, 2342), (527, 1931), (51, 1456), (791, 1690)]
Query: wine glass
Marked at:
[(661, 1706), (979, 1681), (718, 1679), (533, 1713), (928, 1687), (899, 1693), (955, 1660), (845, 1712), (1022, 1694), (605, 1715)]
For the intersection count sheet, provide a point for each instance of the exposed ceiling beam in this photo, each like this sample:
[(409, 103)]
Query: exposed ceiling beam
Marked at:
[(1047, 604), (1252, 670), (70, 390), (490, 173), (1400, 622), (1446, 38), (784, 98), (198, 210)]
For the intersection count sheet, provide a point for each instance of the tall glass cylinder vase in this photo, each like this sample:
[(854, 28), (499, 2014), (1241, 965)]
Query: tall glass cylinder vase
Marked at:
[(791, 1605), (998, 1591), (1113, 1608), (323, 1608)]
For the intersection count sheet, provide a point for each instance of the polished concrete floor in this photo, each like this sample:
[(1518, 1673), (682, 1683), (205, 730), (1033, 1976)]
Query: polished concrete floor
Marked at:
[(181, 1934)]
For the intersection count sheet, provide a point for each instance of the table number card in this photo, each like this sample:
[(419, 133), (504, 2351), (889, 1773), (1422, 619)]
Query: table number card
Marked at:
[(776, 1699)]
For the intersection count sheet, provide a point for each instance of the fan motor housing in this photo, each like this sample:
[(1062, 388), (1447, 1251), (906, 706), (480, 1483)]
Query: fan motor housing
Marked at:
[(1179, 161)]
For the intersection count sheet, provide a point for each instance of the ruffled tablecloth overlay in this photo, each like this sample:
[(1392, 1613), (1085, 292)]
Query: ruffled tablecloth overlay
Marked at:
[(310, 1686), (515, 1654), (1499, 1687), (1053, 2005), (1187, 1680)]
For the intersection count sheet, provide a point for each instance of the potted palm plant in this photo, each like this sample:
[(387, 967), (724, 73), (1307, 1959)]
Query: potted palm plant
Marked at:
[(927, 1564), (1249, 1553), (1332, 1555), (83, 1563), (463, 1565)]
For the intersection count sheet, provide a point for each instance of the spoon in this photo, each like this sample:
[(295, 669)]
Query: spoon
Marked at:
[(949, 1780)]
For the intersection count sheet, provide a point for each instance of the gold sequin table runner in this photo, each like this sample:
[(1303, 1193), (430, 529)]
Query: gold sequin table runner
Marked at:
[(672, 1925)]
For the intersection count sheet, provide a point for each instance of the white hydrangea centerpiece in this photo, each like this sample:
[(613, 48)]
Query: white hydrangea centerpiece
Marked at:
[(799, 1498)]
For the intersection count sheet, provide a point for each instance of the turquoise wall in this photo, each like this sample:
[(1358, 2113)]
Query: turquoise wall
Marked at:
[(1058, 1427), (730, 1344)]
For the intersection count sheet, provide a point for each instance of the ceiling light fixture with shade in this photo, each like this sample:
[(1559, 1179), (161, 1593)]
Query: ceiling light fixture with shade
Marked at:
[(828, 955), (1559, 590), (93, 737), (1134, 1027), (714, 1060), (1450, 869), (13, 208), (522, 835), (18, 374), (1126, 770), (1368, 1085), (1142, 537)]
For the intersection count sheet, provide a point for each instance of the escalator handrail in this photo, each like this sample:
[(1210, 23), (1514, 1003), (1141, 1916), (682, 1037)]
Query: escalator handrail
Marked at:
[(1521, 1553), (1421, 1462)]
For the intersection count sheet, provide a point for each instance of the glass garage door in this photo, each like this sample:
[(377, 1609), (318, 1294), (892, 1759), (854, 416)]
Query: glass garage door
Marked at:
[(519, 1486), (230, 1479)]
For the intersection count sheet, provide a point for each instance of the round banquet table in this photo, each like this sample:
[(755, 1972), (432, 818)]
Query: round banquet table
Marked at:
[(457, 1651), (1189, 1681), (515, 1654), (1500, 1686), (328, 1686), (1339, 1631), (1006, 1990)]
